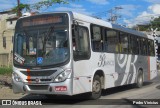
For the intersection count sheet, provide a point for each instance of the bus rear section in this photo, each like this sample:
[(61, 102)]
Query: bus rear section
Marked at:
[(42, 55), (152, 60)]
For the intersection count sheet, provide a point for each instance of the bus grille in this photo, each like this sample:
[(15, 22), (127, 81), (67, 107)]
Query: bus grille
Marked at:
[(39, 73), (38, 87), (42, 80)]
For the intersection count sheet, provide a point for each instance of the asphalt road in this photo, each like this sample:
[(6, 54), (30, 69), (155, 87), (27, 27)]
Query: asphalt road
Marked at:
[(113, 97)]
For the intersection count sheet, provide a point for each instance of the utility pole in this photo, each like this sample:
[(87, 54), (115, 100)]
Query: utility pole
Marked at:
[(18, 11), (113, 14)]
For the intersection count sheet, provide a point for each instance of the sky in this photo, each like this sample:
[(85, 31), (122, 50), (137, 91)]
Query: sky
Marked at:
[(132, 12)]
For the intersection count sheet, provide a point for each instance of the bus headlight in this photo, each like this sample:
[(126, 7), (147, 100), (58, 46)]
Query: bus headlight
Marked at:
[(16, 77), (63, 76)]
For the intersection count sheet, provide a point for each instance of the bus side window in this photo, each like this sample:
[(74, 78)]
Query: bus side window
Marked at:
[(123, 43), (105, 43), (112, 41), (135, 45), (138, 46), (80, 43), (96, 38), (151, 49), (145, 46), (130, 48)]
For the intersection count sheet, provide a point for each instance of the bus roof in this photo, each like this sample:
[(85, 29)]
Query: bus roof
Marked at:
[(101, 22)]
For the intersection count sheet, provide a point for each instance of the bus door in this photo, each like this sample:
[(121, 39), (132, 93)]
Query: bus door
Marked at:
[(81, 56)]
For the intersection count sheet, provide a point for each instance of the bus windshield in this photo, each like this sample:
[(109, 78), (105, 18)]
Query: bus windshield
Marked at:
[(41, 40)]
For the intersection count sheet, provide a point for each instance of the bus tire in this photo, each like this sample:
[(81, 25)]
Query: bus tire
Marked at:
[(96, 88), (139, 83)]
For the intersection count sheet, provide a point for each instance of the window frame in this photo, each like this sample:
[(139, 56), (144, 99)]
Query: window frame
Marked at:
[(117, 35), (89, 49), (101, 41), (130, 50), (127, 35), (149, 51)]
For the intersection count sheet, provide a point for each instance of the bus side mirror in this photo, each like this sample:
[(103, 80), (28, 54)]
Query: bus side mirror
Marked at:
[(74, 30)]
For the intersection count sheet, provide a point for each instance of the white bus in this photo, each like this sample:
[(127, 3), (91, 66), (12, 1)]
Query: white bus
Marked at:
[(67, 53)]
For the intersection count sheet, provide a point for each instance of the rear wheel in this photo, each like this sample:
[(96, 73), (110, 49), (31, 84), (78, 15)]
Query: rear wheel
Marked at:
[(139, 83), (96, 88)]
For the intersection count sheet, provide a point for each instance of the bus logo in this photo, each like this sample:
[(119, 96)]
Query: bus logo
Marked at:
[(104, 62), (37, 80)]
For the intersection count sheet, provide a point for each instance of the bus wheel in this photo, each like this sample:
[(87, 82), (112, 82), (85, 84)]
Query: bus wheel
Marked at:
[(96, 88), (139, 83)]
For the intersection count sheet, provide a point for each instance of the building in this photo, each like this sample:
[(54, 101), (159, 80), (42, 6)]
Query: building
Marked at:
[(7, 27)]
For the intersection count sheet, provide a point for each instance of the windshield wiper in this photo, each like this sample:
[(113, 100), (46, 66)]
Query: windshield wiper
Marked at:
[(49, 31)]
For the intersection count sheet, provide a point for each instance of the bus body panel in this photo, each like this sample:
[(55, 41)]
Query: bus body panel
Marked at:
[(118, 69), (36, 85), (153, 68), (39, 85)]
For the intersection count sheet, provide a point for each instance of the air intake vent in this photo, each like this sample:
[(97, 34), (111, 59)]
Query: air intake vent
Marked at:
[(39, 73), (38, 87)]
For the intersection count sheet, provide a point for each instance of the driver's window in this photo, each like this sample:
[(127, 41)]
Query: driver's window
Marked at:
[(81, 43)]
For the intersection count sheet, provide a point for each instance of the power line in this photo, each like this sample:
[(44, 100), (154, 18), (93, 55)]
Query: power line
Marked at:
[(113, 14)]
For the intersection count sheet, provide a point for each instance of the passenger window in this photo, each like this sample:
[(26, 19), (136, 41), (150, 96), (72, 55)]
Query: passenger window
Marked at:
[(135, 45), (96, 38), (112, 41), (151, 48), (123, 47), (130, 49), (144, 47)]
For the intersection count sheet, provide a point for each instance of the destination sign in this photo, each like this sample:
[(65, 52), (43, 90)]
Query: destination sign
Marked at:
[(42, 20)]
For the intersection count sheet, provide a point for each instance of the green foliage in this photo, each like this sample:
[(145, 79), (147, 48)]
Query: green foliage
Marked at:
[(39, 5), (48, 3), (21, 7), (5, 70), (144, 27), (156, 23), (153, 24)]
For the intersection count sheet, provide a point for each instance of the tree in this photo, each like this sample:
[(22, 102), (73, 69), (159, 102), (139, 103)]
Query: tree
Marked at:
[(39, 5), (153, 24)]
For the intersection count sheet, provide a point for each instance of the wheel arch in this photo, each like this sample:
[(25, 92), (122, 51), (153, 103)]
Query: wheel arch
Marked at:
[(102, 77), (140, 69)]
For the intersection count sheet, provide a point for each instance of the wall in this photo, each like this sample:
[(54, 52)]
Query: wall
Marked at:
[(6, 30)]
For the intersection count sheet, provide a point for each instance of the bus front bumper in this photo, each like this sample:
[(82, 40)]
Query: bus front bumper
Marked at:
[(61, 88)]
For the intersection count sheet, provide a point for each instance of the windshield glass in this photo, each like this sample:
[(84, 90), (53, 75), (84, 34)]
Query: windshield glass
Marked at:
[(40, 43)]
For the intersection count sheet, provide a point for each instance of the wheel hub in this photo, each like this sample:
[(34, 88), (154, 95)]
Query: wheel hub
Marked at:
[(96, 86)]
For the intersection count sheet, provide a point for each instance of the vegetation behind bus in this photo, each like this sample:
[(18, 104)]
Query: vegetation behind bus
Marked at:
[(39, 5), (5, 70)]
